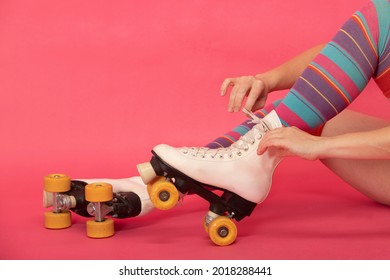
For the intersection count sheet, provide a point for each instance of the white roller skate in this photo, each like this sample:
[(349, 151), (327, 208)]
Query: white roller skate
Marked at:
[(243, 176)]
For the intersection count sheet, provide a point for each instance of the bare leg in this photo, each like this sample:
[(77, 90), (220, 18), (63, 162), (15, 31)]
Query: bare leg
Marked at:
[(370, 177)]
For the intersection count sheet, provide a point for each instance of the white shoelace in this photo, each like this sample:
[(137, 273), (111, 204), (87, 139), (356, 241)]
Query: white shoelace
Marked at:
[(237, 148)]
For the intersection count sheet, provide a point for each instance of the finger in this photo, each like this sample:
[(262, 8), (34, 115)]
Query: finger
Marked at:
[(225, 84), (239, 96), (253, 95), (232, 97), (262, 148), (260, 103), (235, 92), (272, 138), (264, 145)]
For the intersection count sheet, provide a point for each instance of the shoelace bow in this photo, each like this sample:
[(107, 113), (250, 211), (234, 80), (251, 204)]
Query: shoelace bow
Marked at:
[(243, 143)]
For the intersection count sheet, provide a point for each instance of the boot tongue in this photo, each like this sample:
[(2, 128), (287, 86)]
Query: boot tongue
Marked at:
[(272, 120)]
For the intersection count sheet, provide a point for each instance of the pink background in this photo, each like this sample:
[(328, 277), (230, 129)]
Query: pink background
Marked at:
[(89, 87)]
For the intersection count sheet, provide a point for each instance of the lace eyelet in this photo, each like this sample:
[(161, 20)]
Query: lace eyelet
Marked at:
[(239, 154)]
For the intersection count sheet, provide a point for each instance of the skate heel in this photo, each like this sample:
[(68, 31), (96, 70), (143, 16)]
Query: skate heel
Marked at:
[(237, 207)]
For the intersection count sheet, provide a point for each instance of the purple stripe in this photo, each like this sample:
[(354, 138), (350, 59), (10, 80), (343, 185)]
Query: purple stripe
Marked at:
[(312, 96), (343, 39)]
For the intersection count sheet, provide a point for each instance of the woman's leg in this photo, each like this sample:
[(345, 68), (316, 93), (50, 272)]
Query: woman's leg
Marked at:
[(370, 177), (358, 52)]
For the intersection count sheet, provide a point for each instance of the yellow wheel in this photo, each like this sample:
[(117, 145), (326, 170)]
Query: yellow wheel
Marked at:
[(56, 183), (98, 192), (222, 231), (100, 229), (164, 195), (58, 220), (149, 187)]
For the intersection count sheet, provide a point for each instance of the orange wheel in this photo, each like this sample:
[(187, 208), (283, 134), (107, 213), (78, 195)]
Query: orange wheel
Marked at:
[(100, 229), (58, 220), (149, 187), (222, 231), (98, 192), (56, 183), (164, 195)]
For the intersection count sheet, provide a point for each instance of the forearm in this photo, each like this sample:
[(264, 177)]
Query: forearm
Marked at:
[(285, 75), (362, 145)]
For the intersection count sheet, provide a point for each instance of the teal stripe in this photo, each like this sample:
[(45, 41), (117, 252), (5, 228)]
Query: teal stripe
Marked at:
[(333, 80), (383, 11), (346, 62), (309, 114), (241, 129)]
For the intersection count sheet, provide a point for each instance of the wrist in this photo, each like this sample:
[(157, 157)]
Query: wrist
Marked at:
[(269, 79), (323, 147)]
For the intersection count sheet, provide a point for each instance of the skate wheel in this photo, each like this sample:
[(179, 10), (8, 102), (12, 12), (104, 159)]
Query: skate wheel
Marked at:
[(56, 183), (164, 195), (100, 229), (98, 192), (149, 187), (58, 220), (146, 172), (222, 231)]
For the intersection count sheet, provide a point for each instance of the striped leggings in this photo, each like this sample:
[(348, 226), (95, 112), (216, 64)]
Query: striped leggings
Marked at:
[(359, 51)]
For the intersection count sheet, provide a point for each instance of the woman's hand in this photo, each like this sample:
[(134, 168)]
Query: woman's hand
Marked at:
[(255, 88), (291, 141)]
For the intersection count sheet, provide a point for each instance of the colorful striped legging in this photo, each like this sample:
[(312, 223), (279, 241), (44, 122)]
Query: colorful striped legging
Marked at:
[(358, 52)]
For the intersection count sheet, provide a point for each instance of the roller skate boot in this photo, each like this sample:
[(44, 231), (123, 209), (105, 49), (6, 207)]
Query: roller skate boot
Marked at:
[(98, 198), (243, 176)]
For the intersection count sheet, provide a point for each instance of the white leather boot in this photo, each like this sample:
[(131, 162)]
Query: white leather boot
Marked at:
[(238, 168)]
